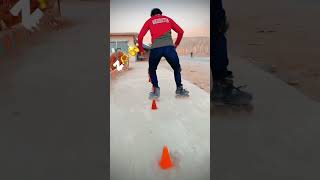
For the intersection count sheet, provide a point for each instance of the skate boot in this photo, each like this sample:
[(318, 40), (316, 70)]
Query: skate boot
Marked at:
[(155, 94), (180, 92), (225, 93)]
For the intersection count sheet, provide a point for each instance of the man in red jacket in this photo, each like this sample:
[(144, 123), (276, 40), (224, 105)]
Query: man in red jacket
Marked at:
[(162, 46)]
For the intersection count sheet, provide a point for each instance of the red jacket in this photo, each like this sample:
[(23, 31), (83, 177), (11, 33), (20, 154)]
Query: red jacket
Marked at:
[(160, 29)]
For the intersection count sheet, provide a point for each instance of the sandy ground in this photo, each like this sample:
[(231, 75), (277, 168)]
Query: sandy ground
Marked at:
[(196, 72), (280, 37)]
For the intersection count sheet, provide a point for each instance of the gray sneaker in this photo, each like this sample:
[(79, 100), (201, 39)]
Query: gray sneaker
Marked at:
[(180, 92), (155, 94)]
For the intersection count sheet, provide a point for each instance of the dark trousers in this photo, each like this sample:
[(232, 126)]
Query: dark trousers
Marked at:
[(168, 52), (219, 60), (219, 54)]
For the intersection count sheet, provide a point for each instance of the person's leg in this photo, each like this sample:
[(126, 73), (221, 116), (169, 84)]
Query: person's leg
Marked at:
[(172, 58), (154, 59), (220, 59), (219, 56)]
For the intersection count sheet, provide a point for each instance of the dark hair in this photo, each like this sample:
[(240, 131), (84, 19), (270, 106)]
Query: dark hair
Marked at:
[(155, 11)]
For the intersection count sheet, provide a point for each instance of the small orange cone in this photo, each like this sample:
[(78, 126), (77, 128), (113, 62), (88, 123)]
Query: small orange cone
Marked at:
[(154, 105), (165, 162)]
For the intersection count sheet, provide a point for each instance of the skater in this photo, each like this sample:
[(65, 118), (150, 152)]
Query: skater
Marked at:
[(223, 89), (162, 46), (191, 54)]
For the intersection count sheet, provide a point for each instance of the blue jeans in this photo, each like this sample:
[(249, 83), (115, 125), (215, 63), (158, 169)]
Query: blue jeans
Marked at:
[(170, 53)]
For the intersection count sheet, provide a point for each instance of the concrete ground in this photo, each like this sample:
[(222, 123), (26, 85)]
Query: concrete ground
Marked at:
[(278, 140), (138, 134)]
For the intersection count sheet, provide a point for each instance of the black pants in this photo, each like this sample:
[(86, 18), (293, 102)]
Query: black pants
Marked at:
[(219, 61), (219, 55), (169, 52)]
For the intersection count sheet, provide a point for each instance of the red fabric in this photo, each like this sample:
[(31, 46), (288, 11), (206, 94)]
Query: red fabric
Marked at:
[(159, 29)]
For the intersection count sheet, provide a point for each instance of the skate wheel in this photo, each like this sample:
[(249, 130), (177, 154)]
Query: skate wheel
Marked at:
[(179, 96)]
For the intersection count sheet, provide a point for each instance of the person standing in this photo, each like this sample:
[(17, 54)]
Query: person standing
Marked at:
[(160, 27)]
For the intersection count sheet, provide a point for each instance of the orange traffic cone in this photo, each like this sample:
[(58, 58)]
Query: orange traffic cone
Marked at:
[(154, 105), (165, 162)]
